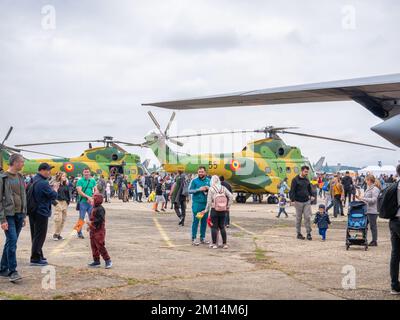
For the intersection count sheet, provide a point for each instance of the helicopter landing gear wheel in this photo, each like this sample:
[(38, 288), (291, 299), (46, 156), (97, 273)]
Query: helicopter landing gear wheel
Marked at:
[(241, 198), (272, 200)]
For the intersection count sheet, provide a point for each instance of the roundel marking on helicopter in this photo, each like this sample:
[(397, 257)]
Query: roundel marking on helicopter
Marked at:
[(69, 167), (235, 165)]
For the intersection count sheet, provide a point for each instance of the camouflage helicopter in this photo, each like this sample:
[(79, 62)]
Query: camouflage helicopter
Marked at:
[(258, 169), (106, 161)]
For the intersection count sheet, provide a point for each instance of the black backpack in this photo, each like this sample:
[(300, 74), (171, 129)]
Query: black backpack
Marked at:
[(388, 204), (32, 205)]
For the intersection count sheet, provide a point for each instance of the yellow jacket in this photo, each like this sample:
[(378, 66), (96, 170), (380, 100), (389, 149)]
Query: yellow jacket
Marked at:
[(337, 189)]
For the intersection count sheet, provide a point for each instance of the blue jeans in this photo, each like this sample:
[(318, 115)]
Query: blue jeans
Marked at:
[(9, 257), (322, 232), (196, 208), (84, 208)]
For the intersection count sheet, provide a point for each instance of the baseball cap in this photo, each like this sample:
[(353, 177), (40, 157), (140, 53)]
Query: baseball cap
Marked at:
[(322, 206), (45, 166)]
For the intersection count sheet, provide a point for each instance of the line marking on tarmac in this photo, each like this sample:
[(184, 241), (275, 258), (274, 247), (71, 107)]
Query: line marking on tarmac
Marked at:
[(163, 233), (64, 243), (245, 230)]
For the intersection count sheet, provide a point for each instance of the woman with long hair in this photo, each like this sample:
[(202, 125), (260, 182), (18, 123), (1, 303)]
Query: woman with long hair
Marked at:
[(371, 199), (61, 205)]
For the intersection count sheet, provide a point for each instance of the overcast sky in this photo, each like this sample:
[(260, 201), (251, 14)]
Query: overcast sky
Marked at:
[(85, 73)]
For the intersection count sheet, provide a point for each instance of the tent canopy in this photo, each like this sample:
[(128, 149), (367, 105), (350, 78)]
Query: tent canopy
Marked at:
[(377, 171)]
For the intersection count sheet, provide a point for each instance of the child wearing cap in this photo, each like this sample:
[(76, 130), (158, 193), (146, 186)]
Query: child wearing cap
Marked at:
[(322, 221), (97, 229)]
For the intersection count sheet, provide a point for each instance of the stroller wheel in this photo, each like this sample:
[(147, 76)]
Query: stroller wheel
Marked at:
[(366, 248), (347, 247)]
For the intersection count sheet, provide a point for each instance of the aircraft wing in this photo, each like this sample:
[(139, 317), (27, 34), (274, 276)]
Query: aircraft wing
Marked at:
[(380, 95)]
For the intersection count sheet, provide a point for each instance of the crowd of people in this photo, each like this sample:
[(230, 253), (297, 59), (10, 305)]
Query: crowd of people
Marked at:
[(340, 189), (210, 196), (32, 198)]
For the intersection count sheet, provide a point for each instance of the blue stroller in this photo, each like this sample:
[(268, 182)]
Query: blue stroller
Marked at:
[(357, 225)]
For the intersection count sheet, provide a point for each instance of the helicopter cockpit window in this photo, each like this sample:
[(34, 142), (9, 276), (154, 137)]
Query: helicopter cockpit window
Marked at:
[(281, 151), (268, 170), (114, 157), (288, 170), (296, 170)]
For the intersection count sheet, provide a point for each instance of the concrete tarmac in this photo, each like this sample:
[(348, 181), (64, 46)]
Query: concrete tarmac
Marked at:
[(154, 259)]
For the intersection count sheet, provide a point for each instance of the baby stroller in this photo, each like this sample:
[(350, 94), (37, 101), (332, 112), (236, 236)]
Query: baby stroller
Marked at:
[(357, 225)]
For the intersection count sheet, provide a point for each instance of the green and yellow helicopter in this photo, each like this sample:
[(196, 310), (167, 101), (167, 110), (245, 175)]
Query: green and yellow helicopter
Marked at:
[(109, 160), (258, 169)]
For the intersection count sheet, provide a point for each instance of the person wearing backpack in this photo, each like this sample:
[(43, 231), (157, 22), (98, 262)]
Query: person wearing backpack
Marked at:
[(13, 209), (178, 197), (394, 202), (219, 200)]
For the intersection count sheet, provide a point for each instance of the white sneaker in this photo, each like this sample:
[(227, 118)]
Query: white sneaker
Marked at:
[(395, 292), (215, 246)]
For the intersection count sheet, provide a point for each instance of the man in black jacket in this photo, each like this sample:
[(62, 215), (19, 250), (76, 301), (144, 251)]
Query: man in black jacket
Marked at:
[(301, 196), (178, 198), (395, 237), (348, 186), (44, 196)]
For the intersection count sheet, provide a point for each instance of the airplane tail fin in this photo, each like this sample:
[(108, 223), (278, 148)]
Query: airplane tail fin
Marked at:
[(318, 166)]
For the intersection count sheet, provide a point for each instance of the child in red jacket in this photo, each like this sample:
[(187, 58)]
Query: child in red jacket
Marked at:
[(97, 229)]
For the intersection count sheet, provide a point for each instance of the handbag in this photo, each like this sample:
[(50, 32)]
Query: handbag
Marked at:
[(78, 203)]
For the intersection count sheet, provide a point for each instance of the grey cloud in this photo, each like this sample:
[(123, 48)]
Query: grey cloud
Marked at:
[(106, 58)]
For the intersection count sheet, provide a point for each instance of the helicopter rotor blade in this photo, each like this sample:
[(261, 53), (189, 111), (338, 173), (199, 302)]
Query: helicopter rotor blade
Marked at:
[(7, 136), (334, 139), (153, 118), (178, 143), (129, 144), (57, 142), (170, 123), (17, 150), (212, 134)]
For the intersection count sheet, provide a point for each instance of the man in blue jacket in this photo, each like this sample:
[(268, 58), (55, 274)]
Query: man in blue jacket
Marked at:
[(199, 189), (43, 195)]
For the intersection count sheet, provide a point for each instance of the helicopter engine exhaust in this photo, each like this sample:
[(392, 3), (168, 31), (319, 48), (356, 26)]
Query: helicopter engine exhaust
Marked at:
[(390, 130)]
